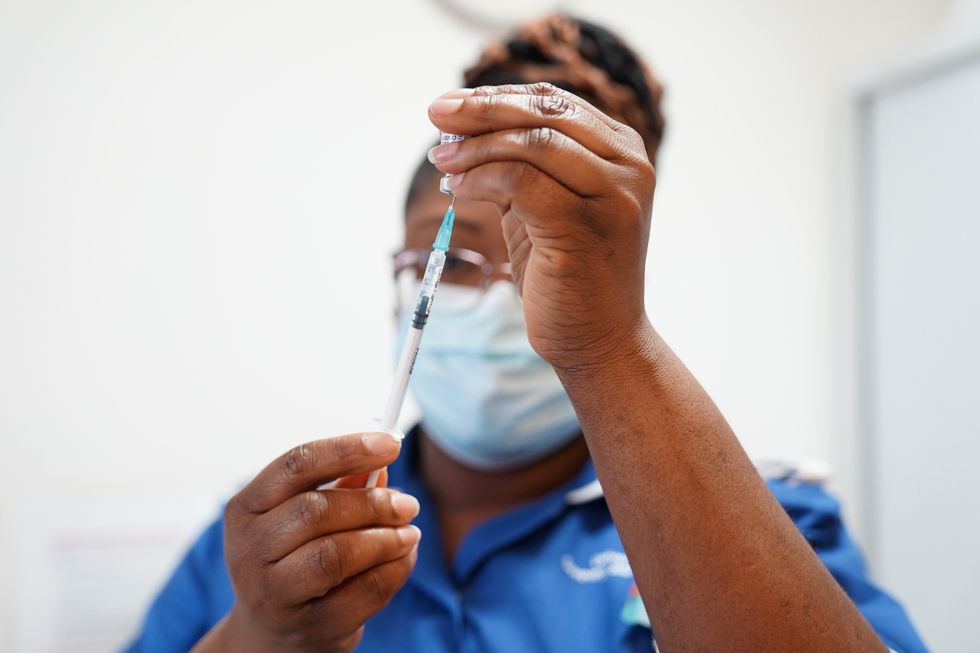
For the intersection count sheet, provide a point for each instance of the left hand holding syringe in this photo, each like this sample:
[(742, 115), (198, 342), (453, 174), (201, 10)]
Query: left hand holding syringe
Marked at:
[(311, 554)]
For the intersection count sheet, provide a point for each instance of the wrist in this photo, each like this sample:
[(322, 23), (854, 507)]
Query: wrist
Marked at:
[(233, 633), (624, 350), (632, 366), (221, 637), (239, 632)]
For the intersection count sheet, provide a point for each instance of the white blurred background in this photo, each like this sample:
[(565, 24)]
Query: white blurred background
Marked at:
[(197, 205)]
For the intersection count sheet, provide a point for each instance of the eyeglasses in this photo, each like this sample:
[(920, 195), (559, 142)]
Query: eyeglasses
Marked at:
[(464, 268)]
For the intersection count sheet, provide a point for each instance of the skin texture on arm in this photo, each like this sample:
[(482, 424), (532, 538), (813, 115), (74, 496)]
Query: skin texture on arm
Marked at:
[(719, 564)]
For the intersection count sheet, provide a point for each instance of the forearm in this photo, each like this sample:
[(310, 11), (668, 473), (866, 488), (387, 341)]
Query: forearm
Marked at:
[(719, 564)]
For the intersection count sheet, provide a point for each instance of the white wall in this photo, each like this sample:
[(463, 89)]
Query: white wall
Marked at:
[(192, 194), (920, 139)]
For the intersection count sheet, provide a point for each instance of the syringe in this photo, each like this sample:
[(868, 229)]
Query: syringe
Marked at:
[(406, 360)]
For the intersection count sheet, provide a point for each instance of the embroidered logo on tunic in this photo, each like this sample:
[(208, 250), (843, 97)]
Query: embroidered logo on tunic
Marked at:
[(603, 565)]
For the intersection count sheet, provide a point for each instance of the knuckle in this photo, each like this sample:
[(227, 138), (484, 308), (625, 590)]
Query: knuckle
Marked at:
[(346, 447), (385, 581), (239, 504), (564, 262), (263, 551), (487, 99), (634, 140), (647, 174), (635, 212), (326, 561), (378, 586), (298, 460), (629, 133), (240, 553), (380, 503), (553, 105), (542, 139), (489, 90), (544, 88), (234, 558), (233, 508), (312, 508)]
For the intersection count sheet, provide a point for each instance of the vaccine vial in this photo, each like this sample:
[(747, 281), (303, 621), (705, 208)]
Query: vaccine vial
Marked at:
[(443, 139)]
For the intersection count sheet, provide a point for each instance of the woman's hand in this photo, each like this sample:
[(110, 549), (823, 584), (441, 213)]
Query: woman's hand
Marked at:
[(574, 189), (309, 566)]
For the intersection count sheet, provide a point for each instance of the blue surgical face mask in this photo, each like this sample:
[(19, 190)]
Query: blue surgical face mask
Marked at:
[(487, 399)]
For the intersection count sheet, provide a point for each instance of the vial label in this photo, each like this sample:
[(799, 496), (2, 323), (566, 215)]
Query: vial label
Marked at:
[(450, 138)]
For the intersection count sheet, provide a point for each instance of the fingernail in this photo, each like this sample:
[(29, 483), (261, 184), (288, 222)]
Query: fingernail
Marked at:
[(405, 505), (446, 106), (441, 153), (455, 181), (409, 535), (381, 444), (457, 93)]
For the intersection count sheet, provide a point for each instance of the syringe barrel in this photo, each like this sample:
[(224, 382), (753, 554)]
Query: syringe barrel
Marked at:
[(399, 385), (413, 339), (430, 281)]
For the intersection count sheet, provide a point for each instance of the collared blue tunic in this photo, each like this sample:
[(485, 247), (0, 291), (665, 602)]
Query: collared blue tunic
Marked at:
[(547, 576)]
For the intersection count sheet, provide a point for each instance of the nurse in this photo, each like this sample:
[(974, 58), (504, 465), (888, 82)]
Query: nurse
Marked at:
[(571, 487)]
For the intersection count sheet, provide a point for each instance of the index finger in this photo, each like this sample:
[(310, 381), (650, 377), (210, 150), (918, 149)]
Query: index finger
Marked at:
[(310, 465), (494, 108)]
